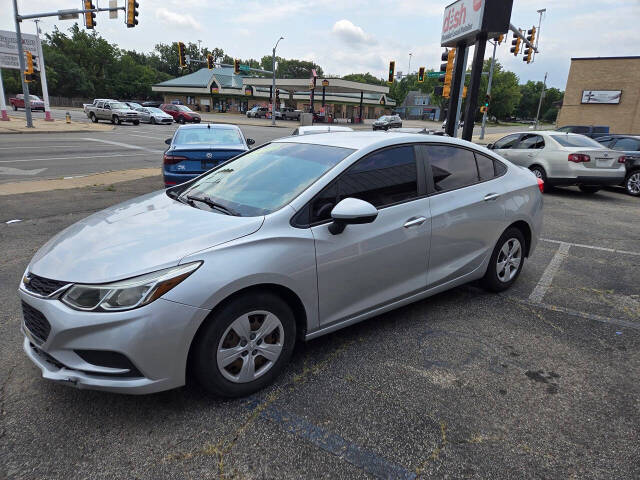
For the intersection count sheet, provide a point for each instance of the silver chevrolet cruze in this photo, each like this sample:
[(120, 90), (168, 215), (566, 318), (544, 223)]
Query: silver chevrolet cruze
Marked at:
[(220, 276)]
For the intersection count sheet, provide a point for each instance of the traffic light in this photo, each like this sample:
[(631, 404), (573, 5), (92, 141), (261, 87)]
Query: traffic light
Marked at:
[(182, 59), (485, 107), (464, 92), (236, 67), (421, 75), (516, 45), (392, 71), (499, 39), (89, 17), (210, 64), (29, 76), (528, 52), (132, 13), (446, 70), (277, 96)]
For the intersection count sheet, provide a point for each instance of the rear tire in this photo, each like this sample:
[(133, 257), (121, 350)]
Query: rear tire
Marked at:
[(506, 261), (116, 119), (181, 120), (540, 173), (632, 183), (15, 108), (588, 189), (221, 333)]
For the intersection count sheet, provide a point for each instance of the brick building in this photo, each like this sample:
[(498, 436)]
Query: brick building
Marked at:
[(220, 90), (603, 91)]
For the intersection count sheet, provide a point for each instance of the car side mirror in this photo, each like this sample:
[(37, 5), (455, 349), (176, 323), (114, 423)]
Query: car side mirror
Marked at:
[(490, 146), (351, 211), (250, 141), (168, 141)]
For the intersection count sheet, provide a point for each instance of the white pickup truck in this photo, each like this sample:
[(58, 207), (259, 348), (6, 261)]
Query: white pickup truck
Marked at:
[(112, 110)]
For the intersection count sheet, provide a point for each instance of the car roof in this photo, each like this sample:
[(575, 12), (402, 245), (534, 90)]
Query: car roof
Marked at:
[(218, 126), (323, 128), (359, 139)]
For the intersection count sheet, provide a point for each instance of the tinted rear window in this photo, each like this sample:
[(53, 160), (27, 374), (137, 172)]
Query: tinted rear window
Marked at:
[(452, 167), (576, 141), (208, 136)]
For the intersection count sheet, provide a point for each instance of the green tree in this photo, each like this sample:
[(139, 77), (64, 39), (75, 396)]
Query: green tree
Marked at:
[(291, 68)]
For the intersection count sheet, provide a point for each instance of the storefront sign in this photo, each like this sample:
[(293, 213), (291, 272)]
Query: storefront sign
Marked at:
[(465, 19), (325, 83), (214, 89), (601, 96), (248, 91)]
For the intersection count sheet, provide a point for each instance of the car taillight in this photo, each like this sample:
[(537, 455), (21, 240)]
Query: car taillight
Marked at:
[(540, 184), (579, 158), (172, 159), (622, 159)]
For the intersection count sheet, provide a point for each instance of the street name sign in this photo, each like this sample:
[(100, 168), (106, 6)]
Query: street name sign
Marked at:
[(433, 74), (9, 48)]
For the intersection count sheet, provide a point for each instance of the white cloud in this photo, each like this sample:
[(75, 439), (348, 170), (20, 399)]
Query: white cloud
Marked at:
[(177, 19), (351, 34)]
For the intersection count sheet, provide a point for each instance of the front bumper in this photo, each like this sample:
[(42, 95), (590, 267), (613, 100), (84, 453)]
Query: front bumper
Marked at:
[(156, 339)]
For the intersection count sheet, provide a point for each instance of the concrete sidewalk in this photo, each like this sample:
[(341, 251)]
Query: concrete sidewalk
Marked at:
[(18, 125)]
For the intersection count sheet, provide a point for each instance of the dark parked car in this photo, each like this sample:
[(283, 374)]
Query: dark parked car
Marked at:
[(592, 131), (194, 149), (181, 113), (630, 146), (386, 122), (152, 103)]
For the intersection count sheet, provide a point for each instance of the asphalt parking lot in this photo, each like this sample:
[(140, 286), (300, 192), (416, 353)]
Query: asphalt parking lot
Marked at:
[(538, 382)]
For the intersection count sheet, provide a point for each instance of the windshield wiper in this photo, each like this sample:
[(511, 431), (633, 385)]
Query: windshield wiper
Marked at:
[(212, 204)]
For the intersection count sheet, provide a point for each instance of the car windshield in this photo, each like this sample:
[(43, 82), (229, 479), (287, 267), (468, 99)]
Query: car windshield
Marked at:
[(209, 136), (183, 108), (134, 105), (576, 141), (118, 106), (154, 110), (384, 118), (264, 180), (34, 97)]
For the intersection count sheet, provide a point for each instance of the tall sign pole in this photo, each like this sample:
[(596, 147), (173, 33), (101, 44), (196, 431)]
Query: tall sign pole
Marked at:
[(544, 86), (25, 85), (459, 93), (456, 86), (474, 86), (43, 76)]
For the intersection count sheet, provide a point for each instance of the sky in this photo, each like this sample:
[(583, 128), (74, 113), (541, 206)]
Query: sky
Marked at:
[(357, 36)]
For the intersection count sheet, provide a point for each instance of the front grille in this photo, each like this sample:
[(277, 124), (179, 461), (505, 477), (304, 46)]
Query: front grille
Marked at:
[(43, 286), (36, 322)]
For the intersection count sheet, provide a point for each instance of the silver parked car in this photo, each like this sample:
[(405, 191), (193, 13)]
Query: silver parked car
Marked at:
[(293, 240), (154, 115), (563, 158)]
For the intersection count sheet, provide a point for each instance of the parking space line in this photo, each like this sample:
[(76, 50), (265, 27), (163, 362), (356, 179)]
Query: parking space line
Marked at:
[(145, 136), (575, 313), (38, 147), (593, 247), (80, 157), (547, 276), (330, 442)]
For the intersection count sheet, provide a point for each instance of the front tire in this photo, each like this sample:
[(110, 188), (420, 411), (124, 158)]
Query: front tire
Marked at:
[(245, 345), (15, 108), (540, 173), (632, 183), (93, 118), (588, 189), (181, 120), (506, 261), (153, 121), (116, 119), (136, 122)]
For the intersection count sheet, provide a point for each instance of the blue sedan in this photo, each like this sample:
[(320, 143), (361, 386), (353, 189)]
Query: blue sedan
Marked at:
[(195, 149)]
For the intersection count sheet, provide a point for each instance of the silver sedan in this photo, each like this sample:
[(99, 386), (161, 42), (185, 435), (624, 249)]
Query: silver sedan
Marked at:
[(289, 241), (154, 115)]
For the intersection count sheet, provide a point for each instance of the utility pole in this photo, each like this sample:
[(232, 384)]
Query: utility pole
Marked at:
[(43, 77), (544, 85), (485, 114), (25, 85), (273, 83), (409, 69), (4, 117)]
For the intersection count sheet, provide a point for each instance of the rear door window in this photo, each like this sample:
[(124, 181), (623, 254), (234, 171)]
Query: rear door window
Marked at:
[(627, 145), (452, 167), (530, 142)]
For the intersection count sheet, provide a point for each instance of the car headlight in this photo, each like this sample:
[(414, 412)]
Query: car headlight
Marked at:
[(127, 294)]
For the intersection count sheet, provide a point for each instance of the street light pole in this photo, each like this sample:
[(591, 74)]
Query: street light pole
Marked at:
[(409, 69), (544, 85), (273, 84), (43, 77), (25, 85), (484, 115)]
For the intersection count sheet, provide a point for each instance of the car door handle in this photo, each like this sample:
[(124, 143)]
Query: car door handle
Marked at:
[(529, 154), (491, 196), (415, 221)]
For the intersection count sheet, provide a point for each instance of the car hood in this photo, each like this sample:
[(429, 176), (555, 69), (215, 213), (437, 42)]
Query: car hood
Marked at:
[(124, 110), (135, 237)]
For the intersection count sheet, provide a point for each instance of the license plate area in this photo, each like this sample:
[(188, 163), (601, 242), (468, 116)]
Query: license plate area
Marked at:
[(603, 162), (207, 164)]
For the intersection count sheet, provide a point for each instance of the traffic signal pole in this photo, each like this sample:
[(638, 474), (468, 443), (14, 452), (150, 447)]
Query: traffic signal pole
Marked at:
[(25, 85), (456, 87), (485, 114), (43, 77), (544, 86), (4, 117), (474, 86)]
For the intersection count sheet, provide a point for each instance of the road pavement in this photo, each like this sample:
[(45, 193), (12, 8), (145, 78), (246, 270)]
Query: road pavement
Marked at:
[(539, 382)]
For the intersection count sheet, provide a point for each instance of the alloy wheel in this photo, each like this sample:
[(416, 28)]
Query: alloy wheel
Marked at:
[(250, 346), (509, 260), (633, 183)]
